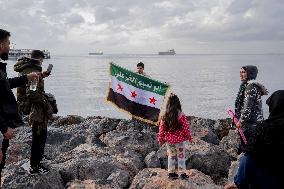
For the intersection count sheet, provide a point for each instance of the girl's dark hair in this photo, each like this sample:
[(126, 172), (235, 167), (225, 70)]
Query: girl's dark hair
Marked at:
[(170, 117)]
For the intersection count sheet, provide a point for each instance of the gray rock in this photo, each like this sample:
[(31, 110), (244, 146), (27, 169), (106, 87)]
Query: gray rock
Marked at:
[(136, 125), (215, 163), (197, 122), (151, 178), (56, 136), (105, 125), (68, 120), (210, 137), (21, 179), (119, 179), (92, 168), (140, 142), (230, 143), (152, 160), (222, 127)]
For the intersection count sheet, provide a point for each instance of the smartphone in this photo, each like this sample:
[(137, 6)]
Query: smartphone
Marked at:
[(49, 68)]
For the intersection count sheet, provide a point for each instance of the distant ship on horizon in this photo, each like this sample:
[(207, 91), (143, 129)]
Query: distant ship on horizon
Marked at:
[(96, 53), (169, 52)]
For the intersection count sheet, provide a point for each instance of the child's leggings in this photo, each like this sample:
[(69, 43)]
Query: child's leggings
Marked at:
[(176, 155)]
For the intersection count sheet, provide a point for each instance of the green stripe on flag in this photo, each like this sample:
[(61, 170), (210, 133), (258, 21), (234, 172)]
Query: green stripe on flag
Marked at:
[(138, 80)]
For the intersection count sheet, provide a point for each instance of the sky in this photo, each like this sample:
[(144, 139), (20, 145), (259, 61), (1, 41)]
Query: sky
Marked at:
[(74, 27)]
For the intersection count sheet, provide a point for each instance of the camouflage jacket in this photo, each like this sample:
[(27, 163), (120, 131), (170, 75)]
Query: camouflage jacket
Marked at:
[(252, 111), (26, 97)]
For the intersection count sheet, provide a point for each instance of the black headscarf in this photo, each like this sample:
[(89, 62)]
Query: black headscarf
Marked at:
[(267, 143), (251, 74)]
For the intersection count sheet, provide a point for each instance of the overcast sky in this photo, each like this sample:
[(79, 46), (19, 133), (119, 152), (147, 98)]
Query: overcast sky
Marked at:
[(145, 26)]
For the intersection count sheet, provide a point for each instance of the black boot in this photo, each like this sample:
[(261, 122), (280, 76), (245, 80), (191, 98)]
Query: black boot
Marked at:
[(184, 176), (173, 176)]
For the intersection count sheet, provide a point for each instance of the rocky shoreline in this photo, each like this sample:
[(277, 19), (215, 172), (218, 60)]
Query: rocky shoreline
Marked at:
[(101, 152)]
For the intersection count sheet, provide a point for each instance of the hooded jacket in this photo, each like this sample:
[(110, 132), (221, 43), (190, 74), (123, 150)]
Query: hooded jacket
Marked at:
[(9, 115), (248, 102)]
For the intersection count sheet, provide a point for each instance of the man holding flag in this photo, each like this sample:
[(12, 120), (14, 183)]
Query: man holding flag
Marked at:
[(136, 94)]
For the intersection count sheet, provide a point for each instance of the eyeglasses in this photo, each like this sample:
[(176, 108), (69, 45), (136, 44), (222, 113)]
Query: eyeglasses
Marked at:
[(243, 72)]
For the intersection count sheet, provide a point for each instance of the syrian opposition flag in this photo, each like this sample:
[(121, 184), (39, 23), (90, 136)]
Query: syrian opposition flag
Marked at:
[(138, 95)]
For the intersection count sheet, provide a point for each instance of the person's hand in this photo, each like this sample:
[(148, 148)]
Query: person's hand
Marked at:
[(45, 74), (239, 125), (33, 76), (9, 134), (230, 186)]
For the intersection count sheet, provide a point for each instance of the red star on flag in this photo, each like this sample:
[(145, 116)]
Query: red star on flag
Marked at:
[(133, 94), (119, 87), (152, 100)]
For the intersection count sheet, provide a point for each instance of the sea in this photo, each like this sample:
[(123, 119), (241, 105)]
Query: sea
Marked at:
[(206, 84)]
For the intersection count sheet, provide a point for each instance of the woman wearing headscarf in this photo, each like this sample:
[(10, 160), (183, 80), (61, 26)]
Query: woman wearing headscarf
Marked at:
[(262, 165), (248, 104)]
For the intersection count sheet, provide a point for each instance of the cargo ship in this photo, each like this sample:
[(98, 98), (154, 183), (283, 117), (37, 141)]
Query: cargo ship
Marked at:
[(169, 52), (96, 53)]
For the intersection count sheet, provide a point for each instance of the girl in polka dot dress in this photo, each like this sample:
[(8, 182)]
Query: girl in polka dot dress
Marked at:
[(174, 131)]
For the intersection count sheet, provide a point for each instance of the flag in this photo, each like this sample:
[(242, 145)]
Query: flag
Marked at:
[(138, 95)]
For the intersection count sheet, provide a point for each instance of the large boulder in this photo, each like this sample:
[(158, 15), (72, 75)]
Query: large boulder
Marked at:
[(151, 178), (141, 142), (230, 143), (215, 163), (19, 178), (203, 129), (68, 120), (119, 157), (152, 160), (136, 125), (222, 127)]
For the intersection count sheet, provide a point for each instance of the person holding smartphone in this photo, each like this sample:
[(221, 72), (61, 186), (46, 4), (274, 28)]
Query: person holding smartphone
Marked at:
[(32, 102)]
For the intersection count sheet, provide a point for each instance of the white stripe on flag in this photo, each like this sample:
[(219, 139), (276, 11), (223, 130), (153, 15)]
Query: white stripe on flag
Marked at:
[(143, 97)]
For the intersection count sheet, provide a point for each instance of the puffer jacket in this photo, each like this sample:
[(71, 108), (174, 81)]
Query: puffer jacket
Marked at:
[(25, 97), (252, 112)]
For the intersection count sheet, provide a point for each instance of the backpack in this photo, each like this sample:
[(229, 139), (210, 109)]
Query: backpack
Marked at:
[(52, 101)]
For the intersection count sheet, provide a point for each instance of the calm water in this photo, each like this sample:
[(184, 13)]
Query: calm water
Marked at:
[(206, 84)]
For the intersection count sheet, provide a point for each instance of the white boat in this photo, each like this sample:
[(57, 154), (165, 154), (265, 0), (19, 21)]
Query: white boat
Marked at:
[(96, 53), (169, 52), (16, 53)]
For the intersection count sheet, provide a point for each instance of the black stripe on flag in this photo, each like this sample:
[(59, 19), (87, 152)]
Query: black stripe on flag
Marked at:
[(143, 111)]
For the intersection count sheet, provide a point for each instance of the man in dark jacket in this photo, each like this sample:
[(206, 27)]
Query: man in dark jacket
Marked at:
[(9, 115), (35, 104)]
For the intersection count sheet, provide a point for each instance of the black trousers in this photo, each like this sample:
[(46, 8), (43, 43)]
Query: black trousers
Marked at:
[(248, 130), (39, 135), (5, 145)]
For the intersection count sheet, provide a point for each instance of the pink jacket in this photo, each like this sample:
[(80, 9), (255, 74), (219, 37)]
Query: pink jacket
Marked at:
[(176, 136)]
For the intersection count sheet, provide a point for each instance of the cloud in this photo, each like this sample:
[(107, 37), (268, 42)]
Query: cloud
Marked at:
[(142, 26)]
